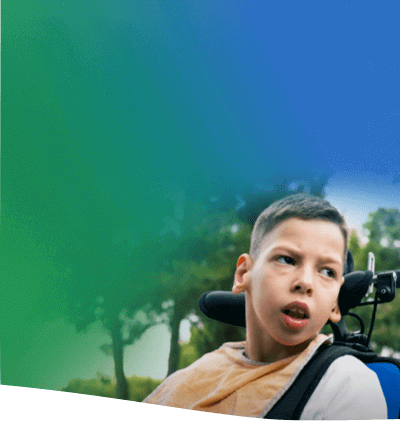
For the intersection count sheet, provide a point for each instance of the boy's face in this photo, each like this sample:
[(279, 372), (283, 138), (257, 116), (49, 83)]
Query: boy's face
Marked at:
[(298, 271)]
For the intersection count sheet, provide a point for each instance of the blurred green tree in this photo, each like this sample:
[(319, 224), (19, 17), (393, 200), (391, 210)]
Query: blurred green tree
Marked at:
[(120, 297), (203, 260), (386, 332), (383, 226)]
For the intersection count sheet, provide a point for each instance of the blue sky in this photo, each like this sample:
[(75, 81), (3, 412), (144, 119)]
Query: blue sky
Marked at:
[(357, 196)]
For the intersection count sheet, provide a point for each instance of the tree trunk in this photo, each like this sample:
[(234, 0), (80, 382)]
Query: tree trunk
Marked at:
[(174, 352), (220, 334), (118, 355)]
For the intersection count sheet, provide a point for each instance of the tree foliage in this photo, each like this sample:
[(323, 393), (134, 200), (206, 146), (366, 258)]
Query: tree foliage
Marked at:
[(202, 261), (383, 226), (380, 225)]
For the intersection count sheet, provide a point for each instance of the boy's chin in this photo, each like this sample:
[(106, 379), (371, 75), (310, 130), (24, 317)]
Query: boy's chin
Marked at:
[(293, 343)]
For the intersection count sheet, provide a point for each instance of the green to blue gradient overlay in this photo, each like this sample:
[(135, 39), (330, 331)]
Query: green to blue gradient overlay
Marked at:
[(118, 115)]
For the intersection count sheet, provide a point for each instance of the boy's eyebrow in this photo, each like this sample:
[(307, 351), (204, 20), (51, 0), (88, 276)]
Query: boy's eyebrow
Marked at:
[(331, 260), (298, 253)]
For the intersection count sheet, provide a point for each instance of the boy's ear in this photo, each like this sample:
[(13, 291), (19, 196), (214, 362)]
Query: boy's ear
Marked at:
[(335, 313), (243, 267)]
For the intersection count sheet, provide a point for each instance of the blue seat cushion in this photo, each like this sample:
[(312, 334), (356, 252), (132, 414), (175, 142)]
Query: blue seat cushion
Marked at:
[(389, 377)]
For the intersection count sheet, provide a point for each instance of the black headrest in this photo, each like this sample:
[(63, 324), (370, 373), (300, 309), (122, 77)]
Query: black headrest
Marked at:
[(228, 307)]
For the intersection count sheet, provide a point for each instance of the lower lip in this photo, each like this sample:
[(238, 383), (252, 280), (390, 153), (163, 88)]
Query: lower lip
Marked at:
[(293, 323)]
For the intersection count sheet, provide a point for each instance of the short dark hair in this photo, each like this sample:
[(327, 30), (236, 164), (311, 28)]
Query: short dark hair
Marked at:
[(302, 206)]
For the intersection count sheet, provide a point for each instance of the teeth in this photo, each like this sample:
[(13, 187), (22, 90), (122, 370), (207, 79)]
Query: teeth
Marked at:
[(296, 313)]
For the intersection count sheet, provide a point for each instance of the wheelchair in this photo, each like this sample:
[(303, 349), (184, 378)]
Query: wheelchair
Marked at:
[(229, 308)]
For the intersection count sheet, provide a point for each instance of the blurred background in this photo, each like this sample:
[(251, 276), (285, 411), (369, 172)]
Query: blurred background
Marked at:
[(141, 140)]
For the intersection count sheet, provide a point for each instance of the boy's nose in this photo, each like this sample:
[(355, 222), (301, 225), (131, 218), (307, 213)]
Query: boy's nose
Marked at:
[(304, 281)]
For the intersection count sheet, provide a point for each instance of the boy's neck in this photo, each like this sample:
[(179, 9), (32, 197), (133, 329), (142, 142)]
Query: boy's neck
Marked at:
[(268, 352)]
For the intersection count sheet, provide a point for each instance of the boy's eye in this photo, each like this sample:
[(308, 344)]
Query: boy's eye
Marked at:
[(328, 272), (286, 260)]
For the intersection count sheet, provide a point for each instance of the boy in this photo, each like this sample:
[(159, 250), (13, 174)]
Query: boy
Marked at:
[(291, 279)]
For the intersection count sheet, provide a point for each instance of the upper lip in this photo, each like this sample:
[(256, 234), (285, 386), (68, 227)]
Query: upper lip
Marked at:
[(297, 305)]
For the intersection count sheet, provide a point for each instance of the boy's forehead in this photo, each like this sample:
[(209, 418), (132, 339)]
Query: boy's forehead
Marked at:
[(298, 233)]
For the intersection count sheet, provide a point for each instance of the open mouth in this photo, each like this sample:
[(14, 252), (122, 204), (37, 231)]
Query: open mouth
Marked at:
[(295, 313)]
